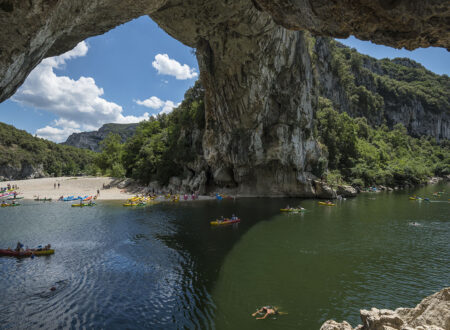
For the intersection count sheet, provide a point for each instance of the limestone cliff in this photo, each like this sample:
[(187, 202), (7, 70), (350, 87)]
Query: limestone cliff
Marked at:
[(383, 91), (91, 140)]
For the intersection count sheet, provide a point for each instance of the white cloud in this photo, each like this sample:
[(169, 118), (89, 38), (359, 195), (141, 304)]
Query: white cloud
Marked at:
[(55, 134), (168, 107), (152, 102), (77, 103), (165, 65), (156, 103)]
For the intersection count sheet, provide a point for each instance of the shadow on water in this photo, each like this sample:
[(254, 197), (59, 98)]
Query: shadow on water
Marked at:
[(208, 245)]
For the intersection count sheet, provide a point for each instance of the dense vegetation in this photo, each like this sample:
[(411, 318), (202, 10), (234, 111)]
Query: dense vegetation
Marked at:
[(160, 145), (363, 156), (18, 147), (373, 86)]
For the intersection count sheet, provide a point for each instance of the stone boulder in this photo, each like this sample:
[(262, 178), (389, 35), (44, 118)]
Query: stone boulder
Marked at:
[(346, 191), (432, 313), (125, 183), (323, 190), (333, 325)]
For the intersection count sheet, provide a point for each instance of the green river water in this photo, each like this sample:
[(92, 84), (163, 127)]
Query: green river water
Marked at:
[(165, 267)]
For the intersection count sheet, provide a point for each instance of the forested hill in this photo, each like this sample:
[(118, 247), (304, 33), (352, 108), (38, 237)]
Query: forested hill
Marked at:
[(25, 156), (383, 91)]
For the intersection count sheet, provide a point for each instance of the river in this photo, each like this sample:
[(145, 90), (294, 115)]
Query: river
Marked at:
[(165, 267)]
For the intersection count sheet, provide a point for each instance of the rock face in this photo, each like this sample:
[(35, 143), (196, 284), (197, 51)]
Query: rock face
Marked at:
[(24, 171), (91, 140), (433, 313), (259, 110), (419, 115), (409, 24)]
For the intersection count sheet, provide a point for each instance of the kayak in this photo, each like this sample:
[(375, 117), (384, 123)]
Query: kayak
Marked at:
[(26, 253), (326, 204), (13, 198), (6, 205), (292, 210), (81, 205), (225, 222), (43, 199), (129, 204)]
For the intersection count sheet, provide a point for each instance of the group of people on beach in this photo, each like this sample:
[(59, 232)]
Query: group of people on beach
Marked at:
[(9, 187), (56, 184)]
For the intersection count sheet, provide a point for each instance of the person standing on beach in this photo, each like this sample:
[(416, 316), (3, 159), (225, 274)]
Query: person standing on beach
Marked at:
[(58, 185), (54, 185)]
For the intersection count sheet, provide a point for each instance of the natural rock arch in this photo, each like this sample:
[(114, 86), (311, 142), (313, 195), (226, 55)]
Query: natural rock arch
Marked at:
[(253, 63)]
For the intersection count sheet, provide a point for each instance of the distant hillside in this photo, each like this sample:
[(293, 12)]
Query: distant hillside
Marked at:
[(91, 140), (24, 156), (397, 91)]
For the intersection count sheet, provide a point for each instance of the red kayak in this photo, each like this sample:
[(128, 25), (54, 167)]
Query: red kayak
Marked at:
[(26, 253)]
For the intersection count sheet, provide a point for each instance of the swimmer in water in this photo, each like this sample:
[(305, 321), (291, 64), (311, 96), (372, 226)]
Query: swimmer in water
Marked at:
[(266, 310)]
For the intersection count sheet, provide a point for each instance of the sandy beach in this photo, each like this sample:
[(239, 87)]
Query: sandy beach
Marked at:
[(69, 186), (76, 186)]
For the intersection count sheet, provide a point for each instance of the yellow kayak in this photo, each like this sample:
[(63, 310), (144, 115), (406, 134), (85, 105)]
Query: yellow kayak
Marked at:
[(129, 204), (44, 252), (292, 210), (225, 222), (81, 205), (326, 204)]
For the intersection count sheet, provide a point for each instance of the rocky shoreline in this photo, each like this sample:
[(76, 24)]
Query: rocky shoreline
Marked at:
[(320, 189), (432, 313)]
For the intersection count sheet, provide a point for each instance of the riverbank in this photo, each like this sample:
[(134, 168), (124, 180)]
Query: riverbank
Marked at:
[(109, 188), (121, 189)]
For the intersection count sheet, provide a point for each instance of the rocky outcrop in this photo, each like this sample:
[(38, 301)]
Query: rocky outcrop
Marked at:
[(433, 313), (346, 191), (91, 140), (24, 171), (409, 24)]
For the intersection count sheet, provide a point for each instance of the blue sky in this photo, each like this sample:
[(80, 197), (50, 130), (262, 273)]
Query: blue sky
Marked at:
[(128, 74)]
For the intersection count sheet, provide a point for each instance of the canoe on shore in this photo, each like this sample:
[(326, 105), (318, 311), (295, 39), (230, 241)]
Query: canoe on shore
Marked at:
[(43, 199), (26, 253), (225, 222), (14, 198)]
